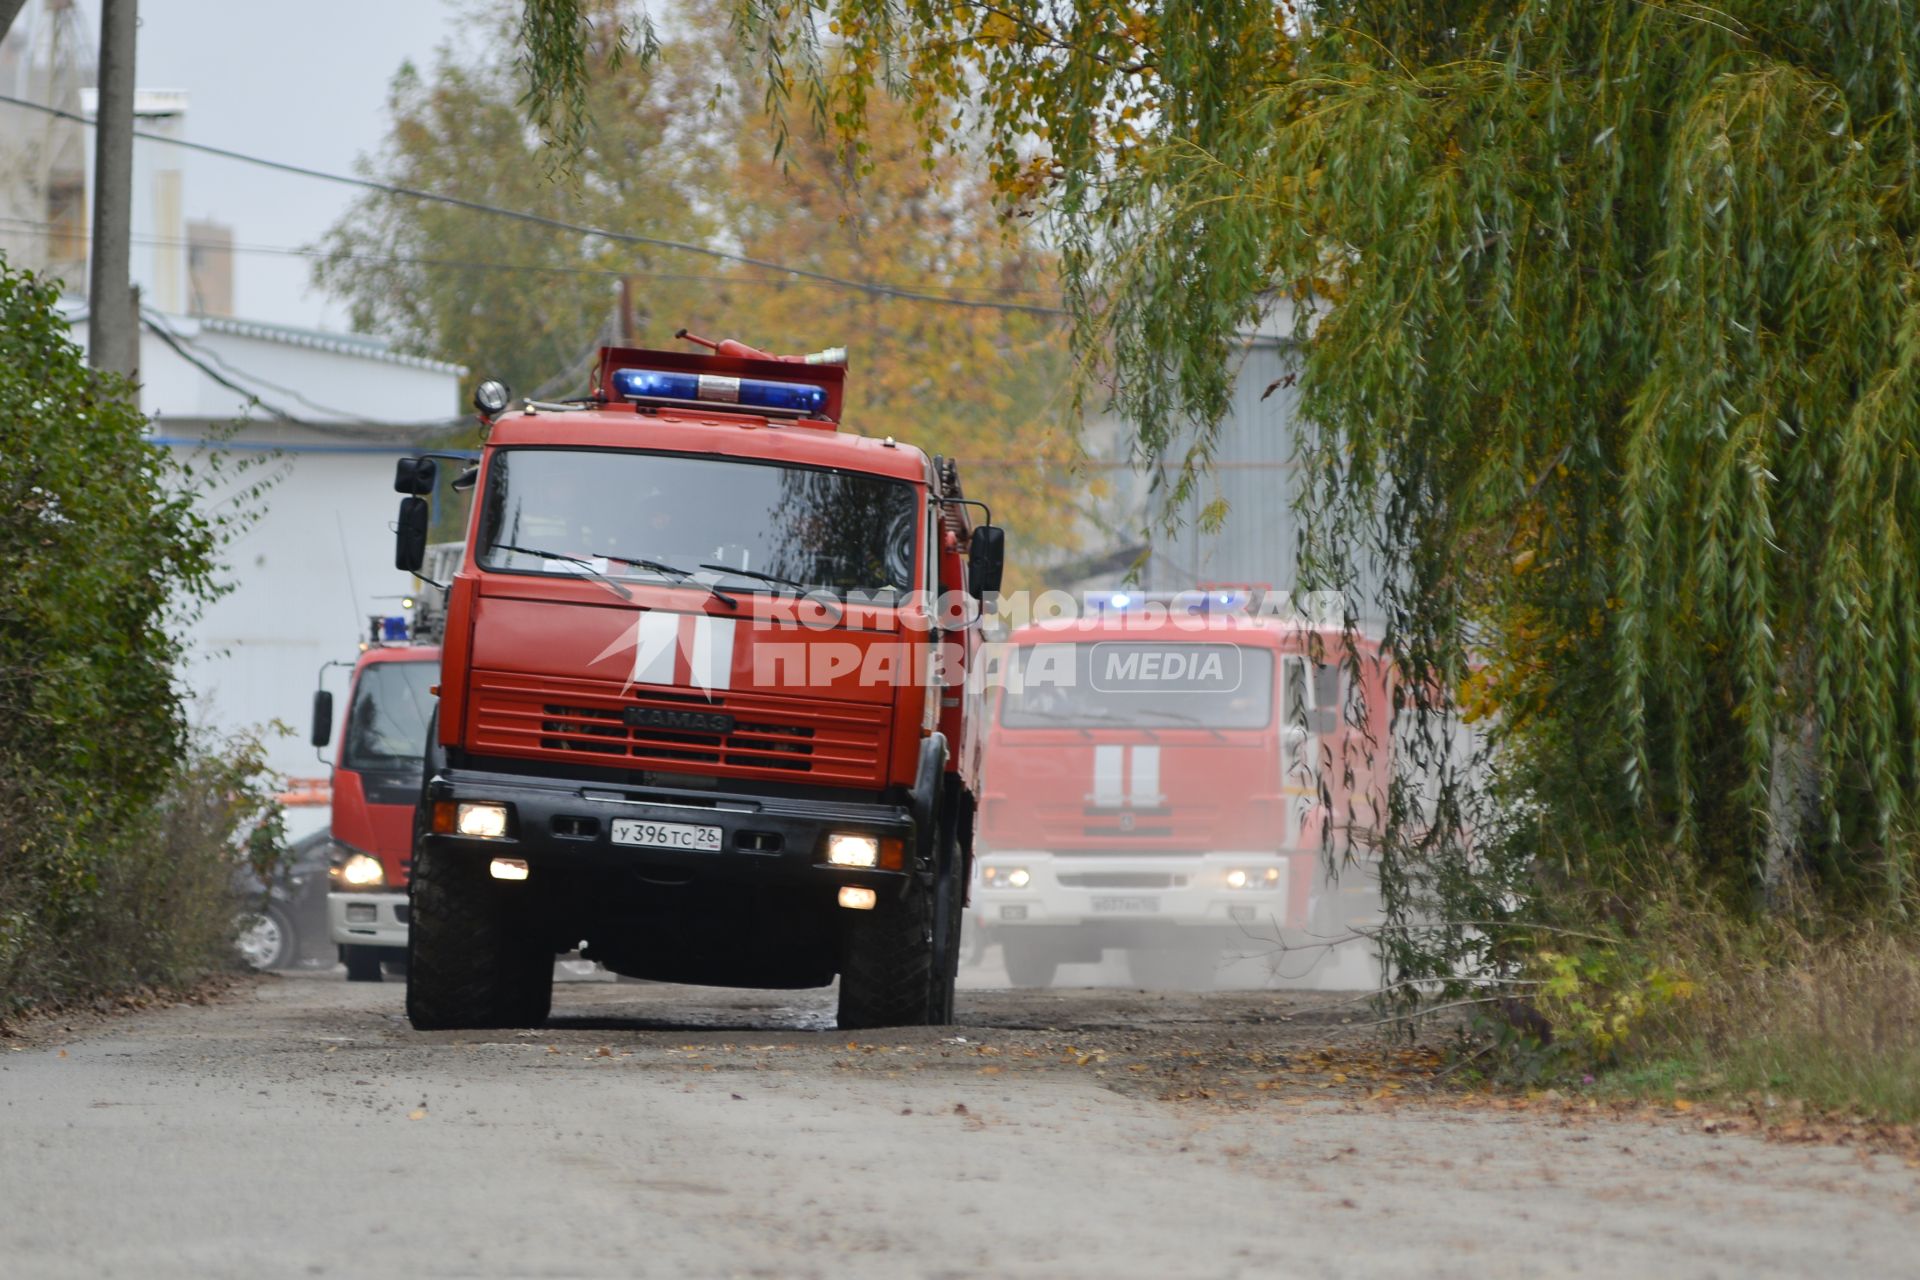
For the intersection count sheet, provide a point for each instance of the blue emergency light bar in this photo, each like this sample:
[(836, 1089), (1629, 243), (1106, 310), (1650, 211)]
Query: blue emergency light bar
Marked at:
[(658, 386), (393, 627), (1209, 601)]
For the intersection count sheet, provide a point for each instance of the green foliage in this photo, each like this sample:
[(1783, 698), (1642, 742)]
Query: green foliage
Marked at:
[(106, 554), (1599, 998)]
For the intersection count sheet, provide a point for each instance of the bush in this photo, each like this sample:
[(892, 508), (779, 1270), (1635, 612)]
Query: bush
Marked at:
[(164, 896), (116, 833)]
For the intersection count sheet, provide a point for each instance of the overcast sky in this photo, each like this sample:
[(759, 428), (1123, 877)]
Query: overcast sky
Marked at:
[(298, 80)]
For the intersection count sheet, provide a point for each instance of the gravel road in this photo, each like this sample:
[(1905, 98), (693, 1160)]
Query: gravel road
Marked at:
[(298, 1127)]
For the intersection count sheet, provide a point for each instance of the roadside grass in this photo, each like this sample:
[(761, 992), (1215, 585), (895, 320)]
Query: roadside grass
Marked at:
[(1778, 1015)]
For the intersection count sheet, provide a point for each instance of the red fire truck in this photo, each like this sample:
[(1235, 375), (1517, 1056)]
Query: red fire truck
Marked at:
[(375, 786), (703, 705), (1154, 784)]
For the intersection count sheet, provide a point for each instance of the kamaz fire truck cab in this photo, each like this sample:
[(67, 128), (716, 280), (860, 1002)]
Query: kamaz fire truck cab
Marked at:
[(703, 710), (375, 786), (1155, 785)]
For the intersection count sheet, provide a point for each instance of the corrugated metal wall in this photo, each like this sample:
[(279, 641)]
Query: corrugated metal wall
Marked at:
[(1253, 472)]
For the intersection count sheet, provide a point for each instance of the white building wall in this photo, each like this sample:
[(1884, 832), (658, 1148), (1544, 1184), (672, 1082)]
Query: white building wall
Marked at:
[(317, 559)]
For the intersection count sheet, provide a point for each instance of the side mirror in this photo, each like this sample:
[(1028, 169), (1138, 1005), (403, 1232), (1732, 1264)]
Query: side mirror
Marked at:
[(986, 560), (415, 475), (410, 535), (322, 717)]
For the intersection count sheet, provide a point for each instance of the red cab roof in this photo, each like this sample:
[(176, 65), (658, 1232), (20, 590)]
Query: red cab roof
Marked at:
[(734, 435)]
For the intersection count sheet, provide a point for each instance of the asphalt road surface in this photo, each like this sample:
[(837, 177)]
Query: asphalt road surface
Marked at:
[(299, 1127)]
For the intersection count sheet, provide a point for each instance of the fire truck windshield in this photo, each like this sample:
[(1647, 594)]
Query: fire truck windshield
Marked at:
[(752, 525), (387, 724), (1138, 684)]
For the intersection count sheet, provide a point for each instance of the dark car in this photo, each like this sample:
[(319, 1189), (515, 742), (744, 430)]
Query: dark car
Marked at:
[(287, 922)]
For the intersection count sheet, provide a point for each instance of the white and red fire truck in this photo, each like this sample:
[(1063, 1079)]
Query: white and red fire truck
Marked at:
[(1157, 782)]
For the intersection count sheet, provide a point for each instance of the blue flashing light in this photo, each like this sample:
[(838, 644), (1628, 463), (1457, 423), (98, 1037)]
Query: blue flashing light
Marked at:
[(708, 388), (1120, 600), (393, 628)]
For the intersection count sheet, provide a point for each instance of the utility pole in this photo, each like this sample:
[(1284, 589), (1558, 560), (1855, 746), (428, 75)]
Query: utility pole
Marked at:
[(9, 10), (113, 318)]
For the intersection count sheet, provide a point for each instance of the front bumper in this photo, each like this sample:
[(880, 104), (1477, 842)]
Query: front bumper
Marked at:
[(367, 919), (763, 840), (1130, 898)]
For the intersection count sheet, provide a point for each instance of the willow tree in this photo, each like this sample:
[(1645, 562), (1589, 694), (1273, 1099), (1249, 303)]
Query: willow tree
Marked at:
[(1611, 375)]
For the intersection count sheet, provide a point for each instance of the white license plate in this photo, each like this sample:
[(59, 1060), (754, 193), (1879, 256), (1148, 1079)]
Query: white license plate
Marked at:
[(1125, 904), (666, 835)]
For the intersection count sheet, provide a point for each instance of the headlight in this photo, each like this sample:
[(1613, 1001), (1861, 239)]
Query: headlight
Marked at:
[(1006, 877), (852, 851), (1242, 879), (362, 872), (486, 820)]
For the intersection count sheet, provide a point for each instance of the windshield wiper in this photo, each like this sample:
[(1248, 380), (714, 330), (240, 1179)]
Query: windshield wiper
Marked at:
[(1180, 717), (678, 575), (798, 588), (562, 558)]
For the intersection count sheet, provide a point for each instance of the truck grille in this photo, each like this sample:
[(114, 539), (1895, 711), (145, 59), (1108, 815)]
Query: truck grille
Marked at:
[(1122, 880), (778, 738)]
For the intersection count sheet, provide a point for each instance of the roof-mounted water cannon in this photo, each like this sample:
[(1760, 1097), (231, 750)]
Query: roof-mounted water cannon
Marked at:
[(730, 347)]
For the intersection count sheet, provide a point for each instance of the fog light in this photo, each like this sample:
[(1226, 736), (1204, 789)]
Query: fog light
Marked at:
[(854, 898), (508, 868), (1273, 875), (1018, 878), (485, 821), (1236, 879), (852, 851), (361, 913), (362, 871)]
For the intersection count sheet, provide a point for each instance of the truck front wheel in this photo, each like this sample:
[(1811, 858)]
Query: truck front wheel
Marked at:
[(886, 962), (1030, 962), (363, 963), (473, 959)]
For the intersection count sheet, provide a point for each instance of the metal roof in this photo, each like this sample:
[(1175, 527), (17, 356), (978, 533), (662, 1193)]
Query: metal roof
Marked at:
[(362, 345)]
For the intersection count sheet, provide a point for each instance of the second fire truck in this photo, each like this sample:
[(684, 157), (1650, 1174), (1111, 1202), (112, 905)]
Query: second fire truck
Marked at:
[(1157, 783), (376, 779)]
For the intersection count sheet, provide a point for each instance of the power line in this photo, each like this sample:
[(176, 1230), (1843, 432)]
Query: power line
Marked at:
[(620, 237), (401, 259)]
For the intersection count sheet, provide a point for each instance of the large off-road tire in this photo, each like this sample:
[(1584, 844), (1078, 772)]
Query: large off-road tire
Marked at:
[(363, 963), (474, 959), (949, 911), (1029, 963), (886, 963)]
